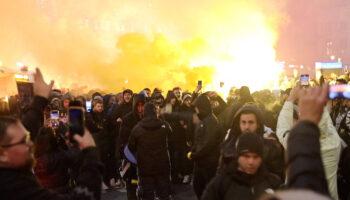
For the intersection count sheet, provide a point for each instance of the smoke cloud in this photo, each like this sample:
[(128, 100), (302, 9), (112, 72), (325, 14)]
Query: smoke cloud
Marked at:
[(116, 44)]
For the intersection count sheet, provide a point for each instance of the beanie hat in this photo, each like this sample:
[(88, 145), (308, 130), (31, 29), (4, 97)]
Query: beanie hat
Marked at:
[(250, 143)]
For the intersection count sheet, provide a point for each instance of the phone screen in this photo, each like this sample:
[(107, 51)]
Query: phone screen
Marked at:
[(76, 122), (304, 80), (339, 91), (25, 93), (54, 114), (88, 106), (200, 82)]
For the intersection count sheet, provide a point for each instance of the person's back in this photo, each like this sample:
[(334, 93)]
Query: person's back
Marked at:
[(149, 141), (52, 163)]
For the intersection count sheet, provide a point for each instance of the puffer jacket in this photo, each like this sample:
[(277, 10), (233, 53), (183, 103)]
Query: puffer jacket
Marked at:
[(329, 140), (149, 142)]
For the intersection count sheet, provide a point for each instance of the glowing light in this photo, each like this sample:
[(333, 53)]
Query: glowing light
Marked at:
[(332, 57), (1, 63), (21, 77), (7, 99), (19, 64)]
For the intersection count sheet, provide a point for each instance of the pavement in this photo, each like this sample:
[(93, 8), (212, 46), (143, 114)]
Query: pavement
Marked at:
[(180, 192)]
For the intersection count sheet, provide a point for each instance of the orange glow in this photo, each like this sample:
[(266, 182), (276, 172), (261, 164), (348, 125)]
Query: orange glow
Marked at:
[(121, 44)]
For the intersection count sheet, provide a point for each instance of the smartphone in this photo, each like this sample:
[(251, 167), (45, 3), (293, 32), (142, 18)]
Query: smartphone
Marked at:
[(304, 80), (200, 82), (54, 117), (339, 91), (25, 93), (54, 114), (76, 121), (88, 105)]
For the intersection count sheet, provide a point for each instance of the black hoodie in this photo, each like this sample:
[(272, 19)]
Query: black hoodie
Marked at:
[(273, 156), (208, 135), (149, 142), (235, 184), (130, 120)]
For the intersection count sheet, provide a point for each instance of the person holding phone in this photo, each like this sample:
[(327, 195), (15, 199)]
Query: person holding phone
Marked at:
[(16, 154)]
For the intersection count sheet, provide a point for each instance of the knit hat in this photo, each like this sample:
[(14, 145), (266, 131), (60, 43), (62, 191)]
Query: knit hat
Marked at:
[(250, 143)]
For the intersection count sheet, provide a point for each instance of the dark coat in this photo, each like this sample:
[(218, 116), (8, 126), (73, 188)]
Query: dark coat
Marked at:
[(18, 184), (51, 169), (239, 185), (129, 121), (208, 135), (304, 159), (33, 118), (149, 142)]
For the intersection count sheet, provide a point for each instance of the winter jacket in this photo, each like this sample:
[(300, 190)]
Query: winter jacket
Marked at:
[(129, 121), (329, 140), (18, 184), (208, 136), (33, 118), (273, 154), (149, 142), (51, 169), (305, 166), (239, 185)]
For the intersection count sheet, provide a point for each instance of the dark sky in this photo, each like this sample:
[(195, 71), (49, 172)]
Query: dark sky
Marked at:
[(313, 24)]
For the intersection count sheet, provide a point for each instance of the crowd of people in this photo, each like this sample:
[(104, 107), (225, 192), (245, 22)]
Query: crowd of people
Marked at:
[(249, 146)]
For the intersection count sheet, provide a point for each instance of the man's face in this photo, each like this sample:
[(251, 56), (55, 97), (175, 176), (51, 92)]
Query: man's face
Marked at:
[(248, 123), (178, 93), (18, 152), (249, 163), (66, 103), (98, 107), (140, 108), (187, 102), (148, 93), (127, 97), (172, 101)]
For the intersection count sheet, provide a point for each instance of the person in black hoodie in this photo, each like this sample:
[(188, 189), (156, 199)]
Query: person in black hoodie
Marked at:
[(246, 178), (250, 119), (128, 123), (149, 142), (16, 155), (208, 136), (226, 117), (206, 147)]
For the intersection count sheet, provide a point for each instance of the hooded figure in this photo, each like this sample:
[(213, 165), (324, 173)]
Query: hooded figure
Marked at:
[(131, 119), (206, 147), (273, 155), (149, 142), (119, 111), (128, 123), (228, 114)]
